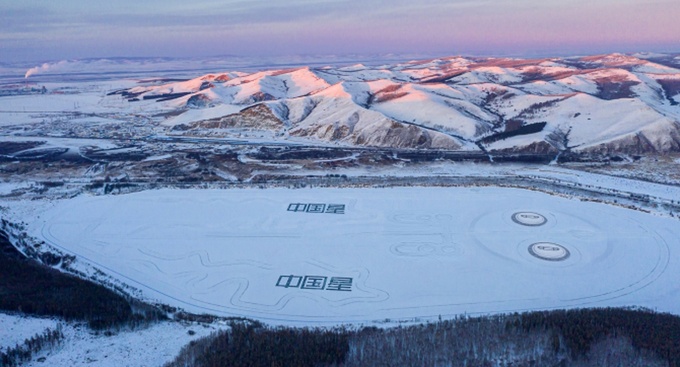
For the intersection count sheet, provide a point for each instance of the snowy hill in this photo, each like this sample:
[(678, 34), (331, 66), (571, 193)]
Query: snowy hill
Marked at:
[(605, 104)]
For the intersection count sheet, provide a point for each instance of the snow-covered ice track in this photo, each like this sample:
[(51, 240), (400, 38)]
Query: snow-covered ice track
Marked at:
[(359, 255), (549, 251)]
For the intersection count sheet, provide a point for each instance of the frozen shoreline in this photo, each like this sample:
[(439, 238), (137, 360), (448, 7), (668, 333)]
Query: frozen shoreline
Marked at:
[(224, 251)]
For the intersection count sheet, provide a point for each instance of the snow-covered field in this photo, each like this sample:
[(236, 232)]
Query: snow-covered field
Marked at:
[(335, 256), (15, 329), (151, 346), (330, 256)]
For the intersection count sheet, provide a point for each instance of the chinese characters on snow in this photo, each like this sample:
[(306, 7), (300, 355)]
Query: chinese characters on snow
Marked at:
[(315, 282), (317, 208)]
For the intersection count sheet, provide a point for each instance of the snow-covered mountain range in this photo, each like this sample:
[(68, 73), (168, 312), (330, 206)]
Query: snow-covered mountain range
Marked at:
[(602, 104)]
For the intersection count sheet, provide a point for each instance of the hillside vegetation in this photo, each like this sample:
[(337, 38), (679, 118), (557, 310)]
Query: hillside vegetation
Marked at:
[(32, 288), (581, 337)]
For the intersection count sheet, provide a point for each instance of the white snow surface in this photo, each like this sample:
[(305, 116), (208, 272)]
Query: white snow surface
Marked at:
[(14, 329), (428, 108), (411, 253), (152, 346)]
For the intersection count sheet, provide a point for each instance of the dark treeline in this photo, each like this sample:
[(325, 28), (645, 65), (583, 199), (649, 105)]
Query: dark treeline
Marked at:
[(23, 353), (579, 328), (582, 337), (521, 130), (247, 344), (32, 288)]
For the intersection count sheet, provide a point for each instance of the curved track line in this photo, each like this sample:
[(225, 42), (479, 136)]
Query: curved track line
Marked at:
[(275, 312)]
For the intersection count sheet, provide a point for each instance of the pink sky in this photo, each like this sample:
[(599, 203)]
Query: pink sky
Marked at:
[(41, 30)]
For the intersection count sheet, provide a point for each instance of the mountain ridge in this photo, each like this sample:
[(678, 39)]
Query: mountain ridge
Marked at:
[(611, 103)]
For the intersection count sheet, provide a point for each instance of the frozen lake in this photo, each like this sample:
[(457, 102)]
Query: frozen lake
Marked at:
[(363, 255)]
